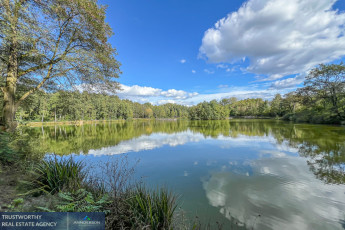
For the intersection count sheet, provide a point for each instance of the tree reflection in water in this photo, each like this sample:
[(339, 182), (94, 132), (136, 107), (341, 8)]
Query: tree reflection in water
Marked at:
[(322, 145)]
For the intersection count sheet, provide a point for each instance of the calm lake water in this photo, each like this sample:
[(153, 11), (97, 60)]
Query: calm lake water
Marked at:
[(292, 175)]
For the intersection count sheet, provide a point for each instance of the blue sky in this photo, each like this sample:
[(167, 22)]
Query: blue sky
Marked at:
[(189, 51)]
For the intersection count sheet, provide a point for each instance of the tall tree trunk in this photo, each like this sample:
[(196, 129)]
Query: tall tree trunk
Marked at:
[(9, 106)]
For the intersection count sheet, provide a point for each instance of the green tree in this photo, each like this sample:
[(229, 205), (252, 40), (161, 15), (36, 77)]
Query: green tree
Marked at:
[(291, 102), (276, 105), (53, 41), (328, 82)]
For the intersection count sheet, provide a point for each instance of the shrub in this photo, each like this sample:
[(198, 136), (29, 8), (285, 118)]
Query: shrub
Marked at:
[(17, 147), (7, 154)]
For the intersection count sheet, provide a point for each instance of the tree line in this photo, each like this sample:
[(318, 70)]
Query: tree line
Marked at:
[(75, 105), (321, 100)]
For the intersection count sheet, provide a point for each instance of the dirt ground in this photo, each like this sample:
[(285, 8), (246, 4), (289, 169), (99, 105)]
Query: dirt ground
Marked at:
[(8, 184)]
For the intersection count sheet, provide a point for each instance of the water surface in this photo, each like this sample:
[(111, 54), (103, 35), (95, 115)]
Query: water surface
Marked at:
[(260, 174)]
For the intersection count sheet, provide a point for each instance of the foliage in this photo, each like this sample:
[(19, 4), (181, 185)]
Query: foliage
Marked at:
[(56, 175), (16, 205), (80, 200), (7, 154), (16, 147)]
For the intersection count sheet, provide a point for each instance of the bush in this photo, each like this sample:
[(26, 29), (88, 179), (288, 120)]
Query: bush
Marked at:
[(56, 175), (8, 155), (80, 201), (18, 148)]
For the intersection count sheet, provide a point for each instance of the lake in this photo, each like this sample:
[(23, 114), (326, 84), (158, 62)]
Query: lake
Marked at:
[(246, 174)]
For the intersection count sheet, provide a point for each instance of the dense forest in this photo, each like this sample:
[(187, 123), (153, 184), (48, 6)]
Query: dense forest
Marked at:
[(321, 100)]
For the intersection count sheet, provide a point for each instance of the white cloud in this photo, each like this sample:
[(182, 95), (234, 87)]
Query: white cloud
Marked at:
[(222, 66), (183, 61), (174, 93), (136, 90), (279, 37), (144, 94), (178, 94), (208, 71), (270, 78), (289, 82), (193, 71)]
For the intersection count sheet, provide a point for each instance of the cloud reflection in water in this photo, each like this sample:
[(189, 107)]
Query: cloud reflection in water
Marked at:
[(282, 191)]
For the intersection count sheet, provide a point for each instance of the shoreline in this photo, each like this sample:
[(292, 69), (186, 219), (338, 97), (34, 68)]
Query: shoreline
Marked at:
[(83, 122), (77, 123)]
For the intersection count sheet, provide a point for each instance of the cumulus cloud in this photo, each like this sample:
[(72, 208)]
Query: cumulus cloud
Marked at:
[(154, 95), (183, 61), (143, 94), (178, 94), (193, 71), (136, 90), (279, 37)]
